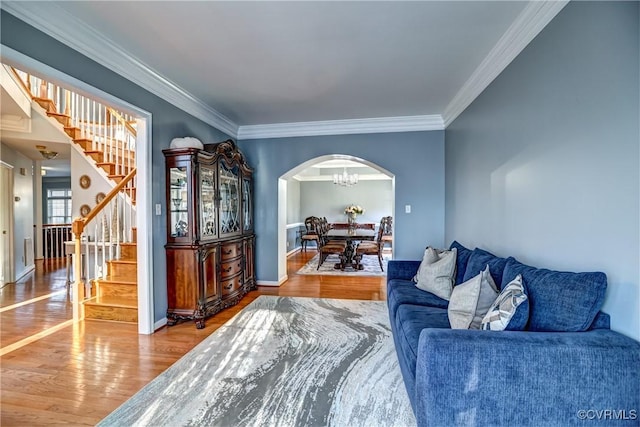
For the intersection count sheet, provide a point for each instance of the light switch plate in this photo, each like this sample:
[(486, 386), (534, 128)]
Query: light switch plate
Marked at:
[(158, 209), (407, 208)]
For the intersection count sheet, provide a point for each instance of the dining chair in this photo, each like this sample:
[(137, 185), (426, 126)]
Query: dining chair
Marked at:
[(328, 247), (311, 233), (387, 233), (370, 248)]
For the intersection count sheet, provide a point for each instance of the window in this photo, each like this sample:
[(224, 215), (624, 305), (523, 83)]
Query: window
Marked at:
[(59, 206)]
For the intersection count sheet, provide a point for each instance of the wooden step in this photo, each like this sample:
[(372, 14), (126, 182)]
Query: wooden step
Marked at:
[(129, 251), (63, 119), (111, 308), (99, 156), (47, 104), (85, 143), (73, 132), (109, 168), (117, 288), (94, 154), (122, 269), (116, 178)]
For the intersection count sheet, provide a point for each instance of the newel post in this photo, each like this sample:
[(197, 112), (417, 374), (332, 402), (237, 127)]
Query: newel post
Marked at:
[(78, 287)]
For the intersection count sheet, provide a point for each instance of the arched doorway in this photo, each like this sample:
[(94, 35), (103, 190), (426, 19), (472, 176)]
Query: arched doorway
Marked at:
[(283, 200)]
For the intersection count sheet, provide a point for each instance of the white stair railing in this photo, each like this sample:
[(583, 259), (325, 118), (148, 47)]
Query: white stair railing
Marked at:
[(111, 133), (98, 237)]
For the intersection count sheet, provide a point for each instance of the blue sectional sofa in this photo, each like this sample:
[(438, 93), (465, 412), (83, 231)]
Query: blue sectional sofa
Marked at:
[(566, 368)]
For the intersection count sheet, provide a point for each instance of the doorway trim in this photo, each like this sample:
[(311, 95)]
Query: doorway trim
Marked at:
[(144, 216), (7, 216), (282, 204)]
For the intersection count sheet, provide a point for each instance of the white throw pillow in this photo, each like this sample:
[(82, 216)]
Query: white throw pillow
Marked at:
[(510, 310), (436, 272), (471, 300)]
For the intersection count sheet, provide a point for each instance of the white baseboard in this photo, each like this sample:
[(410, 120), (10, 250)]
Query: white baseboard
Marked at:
[(273, 283), (298, 249), (159, 324), (26, 272)]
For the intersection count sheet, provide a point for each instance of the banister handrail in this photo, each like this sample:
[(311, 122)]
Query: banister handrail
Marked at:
[(121, 119), (24, 85), (80, 223)]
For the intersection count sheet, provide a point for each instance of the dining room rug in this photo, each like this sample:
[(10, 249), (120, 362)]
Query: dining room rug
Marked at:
[(369, 262), (282, 361)]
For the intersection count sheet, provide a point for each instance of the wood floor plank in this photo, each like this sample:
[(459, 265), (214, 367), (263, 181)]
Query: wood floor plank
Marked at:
[(81, 373)]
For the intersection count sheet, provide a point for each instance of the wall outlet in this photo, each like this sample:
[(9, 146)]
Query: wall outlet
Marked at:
[(158, 209)]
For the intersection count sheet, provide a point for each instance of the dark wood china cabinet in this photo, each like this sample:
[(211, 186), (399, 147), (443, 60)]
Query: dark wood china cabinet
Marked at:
[(210, 239)]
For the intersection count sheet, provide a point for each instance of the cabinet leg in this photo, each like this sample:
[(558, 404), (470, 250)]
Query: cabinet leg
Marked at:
[(199, 323)]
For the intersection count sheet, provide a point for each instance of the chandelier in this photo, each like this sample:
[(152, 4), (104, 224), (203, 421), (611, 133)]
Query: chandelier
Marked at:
[(345, 179), (47, 154)]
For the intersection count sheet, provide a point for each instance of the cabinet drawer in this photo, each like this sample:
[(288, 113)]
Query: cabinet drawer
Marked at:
[(231, 250), (231, 285), (230, 268)]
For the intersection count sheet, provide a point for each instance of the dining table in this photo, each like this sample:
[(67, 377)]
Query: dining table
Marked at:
[(350, 235)]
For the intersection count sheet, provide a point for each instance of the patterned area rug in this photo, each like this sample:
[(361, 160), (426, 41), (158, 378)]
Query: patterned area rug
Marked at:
[(370, 263), (282, 361)]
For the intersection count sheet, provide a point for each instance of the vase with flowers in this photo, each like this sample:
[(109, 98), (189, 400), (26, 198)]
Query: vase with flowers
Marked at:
[(352, 212)]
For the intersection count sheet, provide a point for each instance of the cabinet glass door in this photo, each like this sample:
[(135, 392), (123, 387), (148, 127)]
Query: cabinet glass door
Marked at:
[(208, 228), (229, 199), (178, 203), (247, 207)]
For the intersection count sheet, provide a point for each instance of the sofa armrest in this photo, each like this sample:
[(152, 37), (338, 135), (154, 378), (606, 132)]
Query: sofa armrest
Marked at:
[(402, 269), (471, 377)]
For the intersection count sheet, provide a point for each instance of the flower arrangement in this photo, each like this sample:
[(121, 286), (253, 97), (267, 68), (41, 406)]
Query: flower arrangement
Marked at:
[(354, 209)]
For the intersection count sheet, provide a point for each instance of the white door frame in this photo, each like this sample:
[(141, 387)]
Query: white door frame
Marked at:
[(6, 224), (144, 178)]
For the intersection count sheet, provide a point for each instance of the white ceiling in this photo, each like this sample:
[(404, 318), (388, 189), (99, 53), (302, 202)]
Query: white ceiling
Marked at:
[(241, 65)]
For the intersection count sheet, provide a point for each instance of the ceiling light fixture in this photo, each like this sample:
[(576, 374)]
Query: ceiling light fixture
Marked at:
[(47, 154), (345, 179)]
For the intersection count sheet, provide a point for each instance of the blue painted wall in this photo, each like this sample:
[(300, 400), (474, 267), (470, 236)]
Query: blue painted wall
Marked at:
[(415, 158), (544, 165), (168, 121)]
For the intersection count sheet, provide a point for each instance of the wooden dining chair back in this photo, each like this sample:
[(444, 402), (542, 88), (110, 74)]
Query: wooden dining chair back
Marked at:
[(370, 248), (328, 247), (387, 231), (312, 232)]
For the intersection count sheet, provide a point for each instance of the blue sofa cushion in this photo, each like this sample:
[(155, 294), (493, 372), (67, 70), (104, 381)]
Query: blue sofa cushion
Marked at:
[(410, 320), (602, 321), (401, 291), (461, 261), (478, 261), (559, 301)]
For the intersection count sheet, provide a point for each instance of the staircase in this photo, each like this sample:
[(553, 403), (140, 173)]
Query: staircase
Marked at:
[(107, 139), (116, 296)]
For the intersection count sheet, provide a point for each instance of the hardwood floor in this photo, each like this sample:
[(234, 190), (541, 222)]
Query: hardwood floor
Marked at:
[(80, 373)]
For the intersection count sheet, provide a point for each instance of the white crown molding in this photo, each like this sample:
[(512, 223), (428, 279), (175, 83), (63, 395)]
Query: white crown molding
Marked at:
[(535, 16), (59, 24), (342, 127)]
